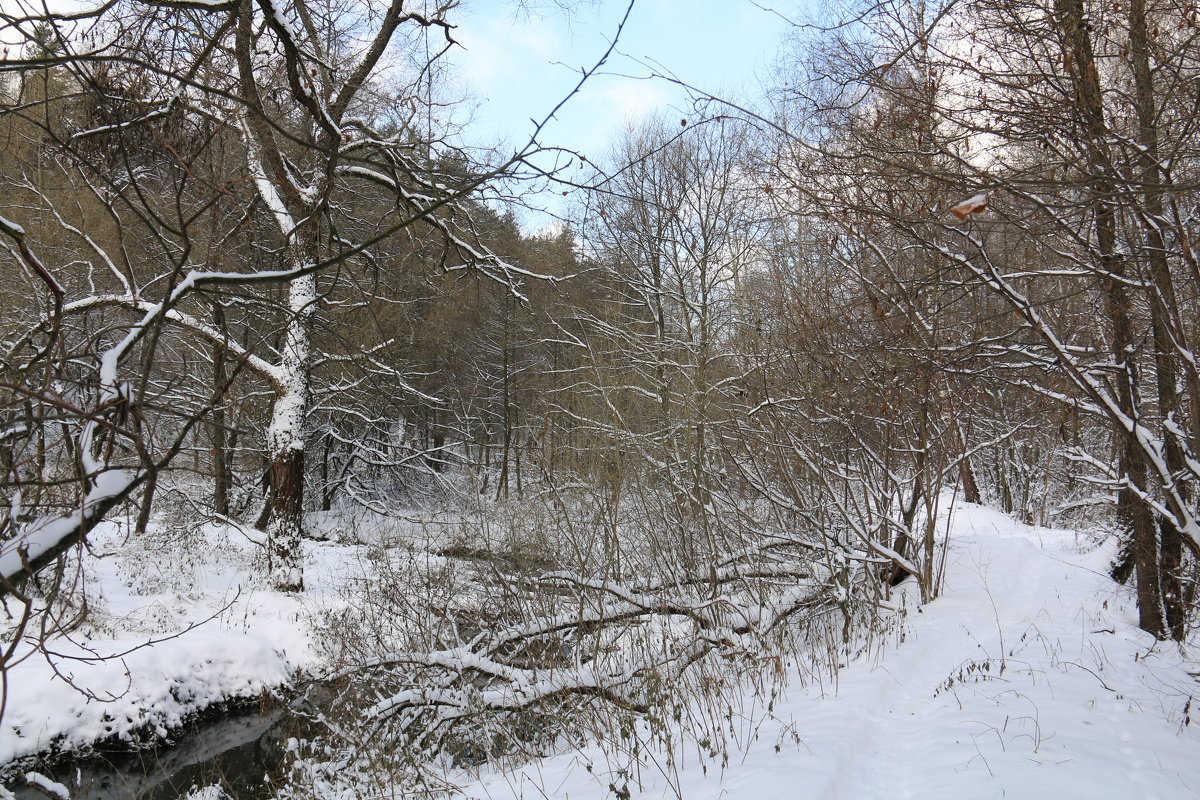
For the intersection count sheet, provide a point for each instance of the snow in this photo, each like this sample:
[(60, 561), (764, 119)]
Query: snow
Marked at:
[(285, 433), (46, 533), (191, 323), (1179, 513), (1027, 678), (192, 625), (266, 188), (49, 787), (972, 205)]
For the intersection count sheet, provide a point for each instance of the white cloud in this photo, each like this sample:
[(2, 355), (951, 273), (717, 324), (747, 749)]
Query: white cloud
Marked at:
[(499, 48), (631, 99)]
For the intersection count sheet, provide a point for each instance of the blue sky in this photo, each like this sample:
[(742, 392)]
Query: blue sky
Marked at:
[(519, 62), (519, 58)]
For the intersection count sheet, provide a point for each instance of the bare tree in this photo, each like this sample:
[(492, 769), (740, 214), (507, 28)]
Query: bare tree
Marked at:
[(292, 96), (1072, 253)]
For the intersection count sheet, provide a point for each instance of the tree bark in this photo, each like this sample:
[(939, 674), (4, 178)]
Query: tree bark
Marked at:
[(1134, 514), (284, 528), (285, 438), (222, 472), (1163, 305)]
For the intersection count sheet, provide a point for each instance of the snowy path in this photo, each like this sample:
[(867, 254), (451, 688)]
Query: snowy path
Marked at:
[(1027, 679)]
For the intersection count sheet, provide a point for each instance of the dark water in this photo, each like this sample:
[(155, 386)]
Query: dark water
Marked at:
[(241, 752)]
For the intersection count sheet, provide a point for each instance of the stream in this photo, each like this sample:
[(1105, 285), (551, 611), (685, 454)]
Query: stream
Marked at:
[(241, 751)]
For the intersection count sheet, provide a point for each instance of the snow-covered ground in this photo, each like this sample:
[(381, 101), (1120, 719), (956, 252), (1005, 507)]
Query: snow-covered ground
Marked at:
[(1027, 678), (175, 625)]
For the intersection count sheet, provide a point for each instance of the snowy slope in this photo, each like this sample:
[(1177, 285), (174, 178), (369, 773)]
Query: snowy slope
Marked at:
[(1027, 678)]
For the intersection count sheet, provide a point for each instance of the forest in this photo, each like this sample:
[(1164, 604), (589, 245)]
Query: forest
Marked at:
[(281, 357)]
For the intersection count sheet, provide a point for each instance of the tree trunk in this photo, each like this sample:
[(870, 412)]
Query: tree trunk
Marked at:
[(1134, 514), (284, 527), (971, 493), (222, 473), (1163, 305), (147, 504), (284, 510), (326, 489)]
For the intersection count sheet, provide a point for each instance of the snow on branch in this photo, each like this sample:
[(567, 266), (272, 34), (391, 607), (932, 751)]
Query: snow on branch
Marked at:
[(42, 541), (611, 642)]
